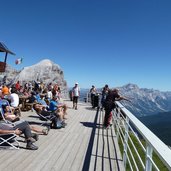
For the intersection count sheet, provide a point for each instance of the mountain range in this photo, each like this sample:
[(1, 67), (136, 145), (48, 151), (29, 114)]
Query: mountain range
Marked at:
[(144, 102)]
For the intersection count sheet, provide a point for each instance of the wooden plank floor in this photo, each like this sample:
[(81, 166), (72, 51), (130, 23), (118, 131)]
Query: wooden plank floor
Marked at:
[(82, 145)]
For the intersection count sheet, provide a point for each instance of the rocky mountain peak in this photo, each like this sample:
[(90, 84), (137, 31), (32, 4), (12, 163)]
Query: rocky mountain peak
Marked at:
[(46, 63), (131, 86), (45, 71), (145, 101)]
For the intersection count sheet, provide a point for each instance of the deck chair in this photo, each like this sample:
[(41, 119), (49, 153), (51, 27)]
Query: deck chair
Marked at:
[(1, 110), (7, 140), (51, 121), (46, 119)]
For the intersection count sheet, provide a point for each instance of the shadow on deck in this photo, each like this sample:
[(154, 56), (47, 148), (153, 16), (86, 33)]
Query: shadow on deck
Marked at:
[(100, 155), (82, 146)]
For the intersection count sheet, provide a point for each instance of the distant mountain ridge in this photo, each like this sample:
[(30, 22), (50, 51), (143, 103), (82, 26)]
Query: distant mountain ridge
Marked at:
[(145, 101)]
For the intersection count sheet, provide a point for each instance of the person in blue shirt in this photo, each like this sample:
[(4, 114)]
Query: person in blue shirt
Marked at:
[(55, 105)]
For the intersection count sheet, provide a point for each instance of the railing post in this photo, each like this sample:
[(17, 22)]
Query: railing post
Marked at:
[(118, 121), (148, 163), (126, 140), (87, 98)]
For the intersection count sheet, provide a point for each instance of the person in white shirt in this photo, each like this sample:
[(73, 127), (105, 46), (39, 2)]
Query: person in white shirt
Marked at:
[(49, 94), (75, 95), (14, 98)]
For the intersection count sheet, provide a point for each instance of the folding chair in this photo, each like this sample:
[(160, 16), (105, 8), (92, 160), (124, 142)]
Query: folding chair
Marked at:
[(9, 141), (47, 119)]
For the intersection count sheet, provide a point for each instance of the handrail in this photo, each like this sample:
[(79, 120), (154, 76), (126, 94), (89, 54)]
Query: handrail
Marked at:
[(126, 123)]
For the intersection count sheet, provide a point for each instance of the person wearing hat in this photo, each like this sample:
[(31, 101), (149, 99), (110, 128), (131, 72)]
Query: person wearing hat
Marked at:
[(75, 95)]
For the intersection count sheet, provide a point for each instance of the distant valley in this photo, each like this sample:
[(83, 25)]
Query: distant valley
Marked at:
[(160, 125)]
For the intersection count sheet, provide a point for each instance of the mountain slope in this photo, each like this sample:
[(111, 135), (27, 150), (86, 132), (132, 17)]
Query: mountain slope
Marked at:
[(45, 71), (145, 101), (160, 125)]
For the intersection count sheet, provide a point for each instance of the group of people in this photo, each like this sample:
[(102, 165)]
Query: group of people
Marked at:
[(50, 105), (108, 98)]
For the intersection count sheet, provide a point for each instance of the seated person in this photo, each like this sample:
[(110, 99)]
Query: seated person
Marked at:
[(26, 93), (8, 113), (40, 109), (10, 116), (18, 129), (5, 90), (14, 98), (48, 95), (40, 99), (55, 105), (32, 98)]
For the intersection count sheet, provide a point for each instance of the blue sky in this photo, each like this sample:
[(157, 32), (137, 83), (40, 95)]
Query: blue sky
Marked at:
[(95, 42)]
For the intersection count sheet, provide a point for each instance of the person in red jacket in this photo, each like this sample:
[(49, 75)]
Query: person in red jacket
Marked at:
[(17, 86)]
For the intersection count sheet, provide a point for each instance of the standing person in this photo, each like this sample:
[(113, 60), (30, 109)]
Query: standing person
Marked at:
[(93, 92), (113, 95), (105, 91), (75, 95), (70, 95)]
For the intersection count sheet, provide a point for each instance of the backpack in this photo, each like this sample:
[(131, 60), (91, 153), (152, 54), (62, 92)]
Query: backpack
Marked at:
[(56, 123)]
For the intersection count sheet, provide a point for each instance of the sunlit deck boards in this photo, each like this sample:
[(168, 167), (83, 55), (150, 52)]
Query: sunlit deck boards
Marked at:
[(82, 145)]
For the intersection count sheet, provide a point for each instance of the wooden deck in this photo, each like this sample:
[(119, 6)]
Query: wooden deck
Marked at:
[(82, 145)]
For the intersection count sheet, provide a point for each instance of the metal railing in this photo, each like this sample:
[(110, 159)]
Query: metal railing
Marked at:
[(139, 145)]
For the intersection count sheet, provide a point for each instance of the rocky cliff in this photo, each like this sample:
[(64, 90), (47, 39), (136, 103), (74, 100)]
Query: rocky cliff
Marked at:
[(45, 71)]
